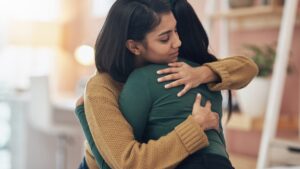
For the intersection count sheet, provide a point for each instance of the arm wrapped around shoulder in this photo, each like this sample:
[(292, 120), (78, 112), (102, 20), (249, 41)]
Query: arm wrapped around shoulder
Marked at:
[(235, 72)]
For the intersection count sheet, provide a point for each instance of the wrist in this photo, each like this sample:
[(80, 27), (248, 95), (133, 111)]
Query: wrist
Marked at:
[(207, 74), (199, 120)]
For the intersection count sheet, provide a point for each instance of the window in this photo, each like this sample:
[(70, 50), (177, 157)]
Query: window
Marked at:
[(31, 10), (22, 62), (101, 7), (5, 134)]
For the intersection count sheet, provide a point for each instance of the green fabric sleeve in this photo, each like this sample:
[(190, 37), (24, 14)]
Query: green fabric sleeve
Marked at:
[(135, 103), (79, 111)]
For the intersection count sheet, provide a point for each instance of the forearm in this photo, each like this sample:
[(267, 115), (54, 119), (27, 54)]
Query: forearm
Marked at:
[(207, 75), (234, 72), (114, 139), (118, 147)]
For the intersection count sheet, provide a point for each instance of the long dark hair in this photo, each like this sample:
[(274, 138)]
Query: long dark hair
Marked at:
[(133, 19), (194, 39), (127, 19)]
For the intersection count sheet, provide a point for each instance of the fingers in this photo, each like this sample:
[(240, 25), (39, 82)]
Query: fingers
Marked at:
[(79, 101), (172, 69), (208, 105), (184, 90), (197, 100), (216, 115), (169, 77), (216, 121), (176, 64), (167, 70), (174, 84)]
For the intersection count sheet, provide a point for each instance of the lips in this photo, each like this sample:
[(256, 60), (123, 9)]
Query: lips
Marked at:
[(174, 54)]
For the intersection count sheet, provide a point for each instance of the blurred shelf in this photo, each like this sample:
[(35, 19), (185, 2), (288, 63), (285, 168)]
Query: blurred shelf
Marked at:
[(248, 12), (240, 121), (284, 152), (256, 17)]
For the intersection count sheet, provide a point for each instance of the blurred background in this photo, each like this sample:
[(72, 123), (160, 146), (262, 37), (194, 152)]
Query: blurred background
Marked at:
[(46, 57)]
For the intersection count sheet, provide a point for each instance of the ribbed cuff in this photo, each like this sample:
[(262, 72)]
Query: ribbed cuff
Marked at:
[(221, 70), (90, 160), (191, 135)]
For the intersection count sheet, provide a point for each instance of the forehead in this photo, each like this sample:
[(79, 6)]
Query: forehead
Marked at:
[(168, 22)]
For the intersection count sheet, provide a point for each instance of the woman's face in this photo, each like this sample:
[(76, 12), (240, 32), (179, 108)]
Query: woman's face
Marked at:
[(161, 45)]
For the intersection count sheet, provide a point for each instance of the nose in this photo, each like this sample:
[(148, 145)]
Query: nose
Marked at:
[(176, 41)]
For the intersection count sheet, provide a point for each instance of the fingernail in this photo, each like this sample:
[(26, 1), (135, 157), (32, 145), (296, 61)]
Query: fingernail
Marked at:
[(178, 95), (158, 72), (166, 86), (159, 79), (198, 95)]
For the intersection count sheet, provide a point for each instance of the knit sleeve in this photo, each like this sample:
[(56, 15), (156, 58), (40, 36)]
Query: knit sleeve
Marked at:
[(235, 72), (114, 138)]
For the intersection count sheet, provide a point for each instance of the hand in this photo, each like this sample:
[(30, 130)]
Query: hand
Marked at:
[(204, 116), (184, 74), (79, 101)]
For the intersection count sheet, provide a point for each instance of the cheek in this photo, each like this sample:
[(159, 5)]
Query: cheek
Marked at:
[(158, 51)]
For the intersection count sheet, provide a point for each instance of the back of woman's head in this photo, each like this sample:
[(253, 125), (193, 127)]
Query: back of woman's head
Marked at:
[(127, 19), (194, 39)]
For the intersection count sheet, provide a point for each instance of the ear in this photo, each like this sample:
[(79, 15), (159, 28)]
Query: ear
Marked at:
[(134, 47)]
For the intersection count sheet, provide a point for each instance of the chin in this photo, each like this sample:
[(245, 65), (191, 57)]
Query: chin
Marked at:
[(175, 59)]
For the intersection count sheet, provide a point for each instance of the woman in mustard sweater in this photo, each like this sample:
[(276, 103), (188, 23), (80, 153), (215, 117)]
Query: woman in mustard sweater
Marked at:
[(111, 133)]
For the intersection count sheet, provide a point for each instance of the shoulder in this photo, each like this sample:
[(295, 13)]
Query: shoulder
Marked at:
[(147, 72), (100, 81)]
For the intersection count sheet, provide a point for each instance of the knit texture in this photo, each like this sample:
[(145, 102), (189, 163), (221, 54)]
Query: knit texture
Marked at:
[(235, 72), (114, 137)]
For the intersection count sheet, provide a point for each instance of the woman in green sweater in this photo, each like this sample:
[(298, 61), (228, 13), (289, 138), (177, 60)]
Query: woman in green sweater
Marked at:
[(111, 135), (153, 112)]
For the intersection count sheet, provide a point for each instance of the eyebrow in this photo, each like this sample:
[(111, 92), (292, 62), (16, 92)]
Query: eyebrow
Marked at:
[(164, 33)]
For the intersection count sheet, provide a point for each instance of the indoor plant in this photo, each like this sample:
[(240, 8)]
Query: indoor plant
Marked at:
[(253, 98)]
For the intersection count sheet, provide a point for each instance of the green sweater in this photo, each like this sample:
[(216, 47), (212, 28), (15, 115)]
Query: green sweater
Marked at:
[(154, 111)]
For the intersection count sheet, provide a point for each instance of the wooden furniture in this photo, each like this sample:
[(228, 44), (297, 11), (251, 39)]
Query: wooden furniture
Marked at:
[(286, 23), (252, 18), (257, 10), (240, 121)]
